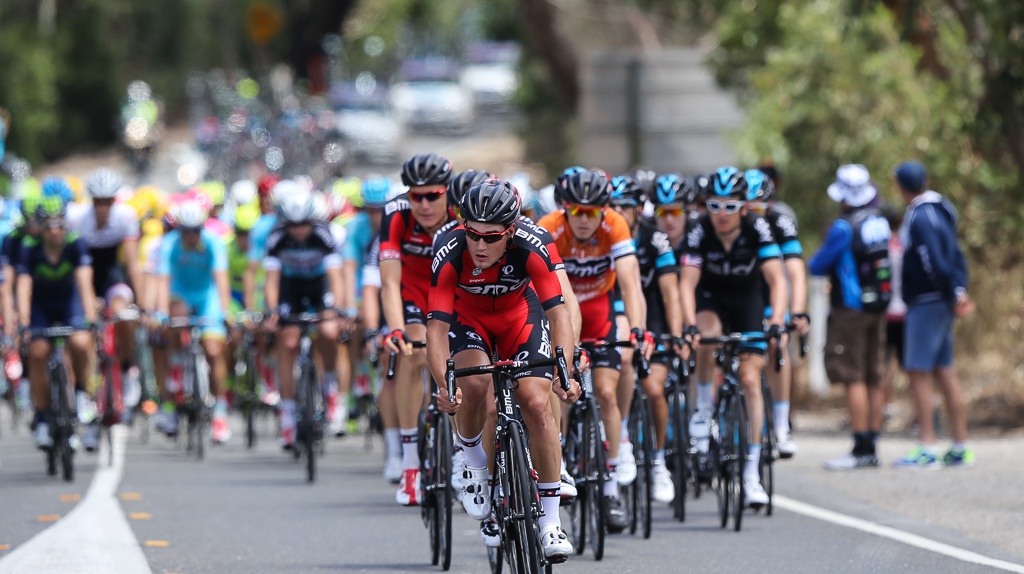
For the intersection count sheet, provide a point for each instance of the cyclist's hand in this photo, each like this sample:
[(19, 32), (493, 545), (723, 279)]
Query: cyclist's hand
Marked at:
[(802, 322), (681, 347), (643, 341), (444, 404), (270, 321), (570, 396), (397, 342), (778, 332), (248, 321), (584, 363), (692, 334)]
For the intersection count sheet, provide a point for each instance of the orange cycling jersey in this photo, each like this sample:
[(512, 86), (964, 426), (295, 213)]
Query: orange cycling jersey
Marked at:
[(590, 264)]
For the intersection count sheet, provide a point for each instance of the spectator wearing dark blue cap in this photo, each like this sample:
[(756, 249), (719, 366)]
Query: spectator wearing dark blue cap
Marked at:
[(934, 280)]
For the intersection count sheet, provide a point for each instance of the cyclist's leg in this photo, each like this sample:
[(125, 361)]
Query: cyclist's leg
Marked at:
[(702, 394), (409, 395), (624, 395), (118, 298), (654, 387), (475, 424)]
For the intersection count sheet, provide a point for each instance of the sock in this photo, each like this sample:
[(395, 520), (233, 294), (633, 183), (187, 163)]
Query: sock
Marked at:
[(704, 397), (750, 471), (781, 418), (928, 449), (550, 497), (659, 457), (959, 446), (330, 382), (288, 406), (392, 442), (220, 407), (611, 486), (410, 454), (474, 451), (873, 441), (624, 433), (860, 443)]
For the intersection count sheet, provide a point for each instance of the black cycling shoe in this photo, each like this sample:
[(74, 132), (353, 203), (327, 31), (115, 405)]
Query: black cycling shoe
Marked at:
[(616, 517)]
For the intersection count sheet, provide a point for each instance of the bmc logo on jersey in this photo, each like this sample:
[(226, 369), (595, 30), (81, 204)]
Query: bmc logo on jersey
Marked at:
[(532, 240), (493, 289), (418, 250), (396, 205), (588, 268), (442, 253)]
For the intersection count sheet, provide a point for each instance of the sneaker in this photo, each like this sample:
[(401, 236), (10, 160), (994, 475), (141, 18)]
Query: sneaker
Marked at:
[(786, 446), (220, 433), (568, 490), (616, 516), (555, 543), (475, 497), (409, 488), (700, 423), (91, 437), (489, 532), (167, 422), (918, 459), (850, 461), (625, 473), (662, 487), (41, 434), (958, 457), (393, 469), (458, 465), (754, 495)]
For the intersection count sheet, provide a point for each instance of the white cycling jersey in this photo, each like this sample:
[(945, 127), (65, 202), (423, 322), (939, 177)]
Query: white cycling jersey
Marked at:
[(122, 225)]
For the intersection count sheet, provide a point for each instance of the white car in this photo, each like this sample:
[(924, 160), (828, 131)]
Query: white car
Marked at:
[(429, 96), (491, 73), (373, 128)]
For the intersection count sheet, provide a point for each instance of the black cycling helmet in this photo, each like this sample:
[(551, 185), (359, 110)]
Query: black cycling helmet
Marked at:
[(427, 169), (493, 201), (673, 188), (560, 182), (627, 192), (461, 183), (728, 182), (586, 188), (701, 187)]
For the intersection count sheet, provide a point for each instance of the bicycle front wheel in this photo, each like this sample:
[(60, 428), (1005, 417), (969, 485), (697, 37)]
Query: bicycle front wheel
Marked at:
[(643, 448), (520, 534), (766, 463), (443, 496), (596, 465)]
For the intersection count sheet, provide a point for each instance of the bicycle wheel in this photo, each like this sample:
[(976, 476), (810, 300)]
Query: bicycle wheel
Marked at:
[(496, 558), (596, 464), (251, 401), (574, 463), (733, 433), (644, 466), (65, 425), (766, 463), (307, 423), (523, 544), (198, 407), (443, 495), (425, 448), (679, 446)]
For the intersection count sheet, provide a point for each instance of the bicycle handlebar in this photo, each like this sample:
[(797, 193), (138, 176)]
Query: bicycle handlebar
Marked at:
[(558, 361), (393, 357)]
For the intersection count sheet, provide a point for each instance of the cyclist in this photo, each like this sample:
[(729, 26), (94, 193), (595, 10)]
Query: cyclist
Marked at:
[(598, 252), (659, 277), (725, 255), (192, 279), (265, 189), (492, 288), (303, 275), (110, 231), (244, 219), (54, 288), (406, 250), (761, 200), (10, 253)]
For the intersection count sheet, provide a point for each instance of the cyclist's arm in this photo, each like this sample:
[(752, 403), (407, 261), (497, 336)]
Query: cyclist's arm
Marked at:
[(6, 291), (249, 284), (627, 272), (391, 293), (371, 307), (349, 268), (24, 299), (689, 277), (437, 348), (220, 279), (336, 282), (131, 256), (668, 283), (572, 304), (163, 294), (560, 319), (83, 277), (796, 270), (776, 279), (272, 289)]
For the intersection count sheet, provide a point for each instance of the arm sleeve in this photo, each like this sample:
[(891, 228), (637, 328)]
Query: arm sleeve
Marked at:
[(441, 298), (836, 241), (163, 266), (219, 252), (392, 230), (80, 255), (665, 260), (23, 267), (545, 282), (693, 246)]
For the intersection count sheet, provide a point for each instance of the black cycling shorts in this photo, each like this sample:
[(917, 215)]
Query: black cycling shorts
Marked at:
[(304, 296), (741, 312)]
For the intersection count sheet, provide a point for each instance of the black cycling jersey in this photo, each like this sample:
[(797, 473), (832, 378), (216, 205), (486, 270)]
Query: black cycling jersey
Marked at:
[(307, 259), (737, 270), (656, 258)]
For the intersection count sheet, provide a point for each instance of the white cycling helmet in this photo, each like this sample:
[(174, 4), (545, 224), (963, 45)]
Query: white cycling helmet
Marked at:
[(191, 215), (295, 207), (243, 192), (322, 207), (283, 189), (104, 183)]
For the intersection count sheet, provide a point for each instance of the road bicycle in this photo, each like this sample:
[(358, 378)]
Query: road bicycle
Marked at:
[(195, 381), (62, 416), (310, 404)]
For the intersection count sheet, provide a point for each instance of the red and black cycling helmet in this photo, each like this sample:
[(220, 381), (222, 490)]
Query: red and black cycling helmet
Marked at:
[(462, 182), (427, 169), (586, 188), (266, 184), (493, 201)]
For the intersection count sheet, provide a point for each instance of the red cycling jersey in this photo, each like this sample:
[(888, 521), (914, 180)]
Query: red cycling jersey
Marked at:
[(402, 238)]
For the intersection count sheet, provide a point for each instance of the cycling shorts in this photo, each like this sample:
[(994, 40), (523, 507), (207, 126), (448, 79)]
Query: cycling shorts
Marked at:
[(304, 296), (208, 309), (599, 323), (738, 312), (414, 301), (119, 291), (520, 334), (67, 312)]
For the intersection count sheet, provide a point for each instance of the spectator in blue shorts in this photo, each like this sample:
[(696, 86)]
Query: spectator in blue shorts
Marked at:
[(934, 279)]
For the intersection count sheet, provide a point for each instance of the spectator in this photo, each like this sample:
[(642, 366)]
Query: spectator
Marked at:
[(895, 314), (855, 255), (934, 280)]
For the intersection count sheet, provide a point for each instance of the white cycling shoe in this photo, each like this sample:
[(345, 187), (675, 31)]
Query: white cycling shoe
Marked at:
[(663, 489), (754, 495), (475, 497), (625, 473), (555, 543)]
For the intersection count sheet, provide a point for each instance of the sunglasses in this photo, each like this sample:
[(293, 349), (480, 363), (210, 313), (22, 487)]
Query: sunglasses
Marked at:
[(489, 238), (431, 196), (586, 211), (293, 224), (53, 224), (103, 201), (191, 230), (727, 207), (673, 211)]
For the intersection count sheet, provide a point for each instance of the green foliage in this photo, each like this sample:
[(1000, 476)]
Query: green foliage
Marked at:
[(28, 90)]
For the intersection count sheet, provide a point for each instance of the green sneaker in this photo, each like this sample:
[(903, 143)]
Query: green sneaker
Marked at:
[(958, 457), (917, 459)]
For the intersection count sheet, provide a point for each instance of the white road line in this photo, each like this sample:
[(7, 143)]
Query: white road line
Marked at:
[(93, 537), (893, 534)]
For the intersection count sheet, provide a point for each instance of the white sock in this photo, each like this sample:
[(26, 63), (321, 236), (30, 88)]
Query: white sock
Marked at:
[(781, 418), (753, 458), (659, 457), (474, 451), (330, 382), (611, 486), (392, 442), (705, 399), (624, 433), (410, 454), (550, 497)]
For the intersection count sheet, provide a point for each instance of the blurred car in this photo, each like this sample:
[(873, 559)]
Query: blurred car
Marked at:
[(491, 73), (368, 122), (429, 95)]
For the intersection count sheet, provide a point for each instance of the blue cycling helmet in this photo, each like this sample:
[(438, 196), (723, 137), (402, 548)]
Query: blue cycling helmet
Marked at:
[(54, 186), (673, 188), (375, 190), (728, 182), (759, 186), (627, 192)]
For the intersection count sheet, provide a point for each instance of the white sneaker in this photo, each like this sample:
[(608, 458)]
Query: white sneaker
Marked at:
[(475, 497), (393, 469), (568, 489), (85, 407), (787, 447), (662, 489), (458, 465), (754, 495), (555, 543), (41, 434), (91, 437), (489, 532), (625, 473), (700, 423)]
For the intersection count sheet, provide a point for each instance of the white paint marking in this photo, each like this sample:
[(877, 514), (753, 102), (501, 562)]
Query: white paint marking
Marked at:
[(893, 534), (93, 537)]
